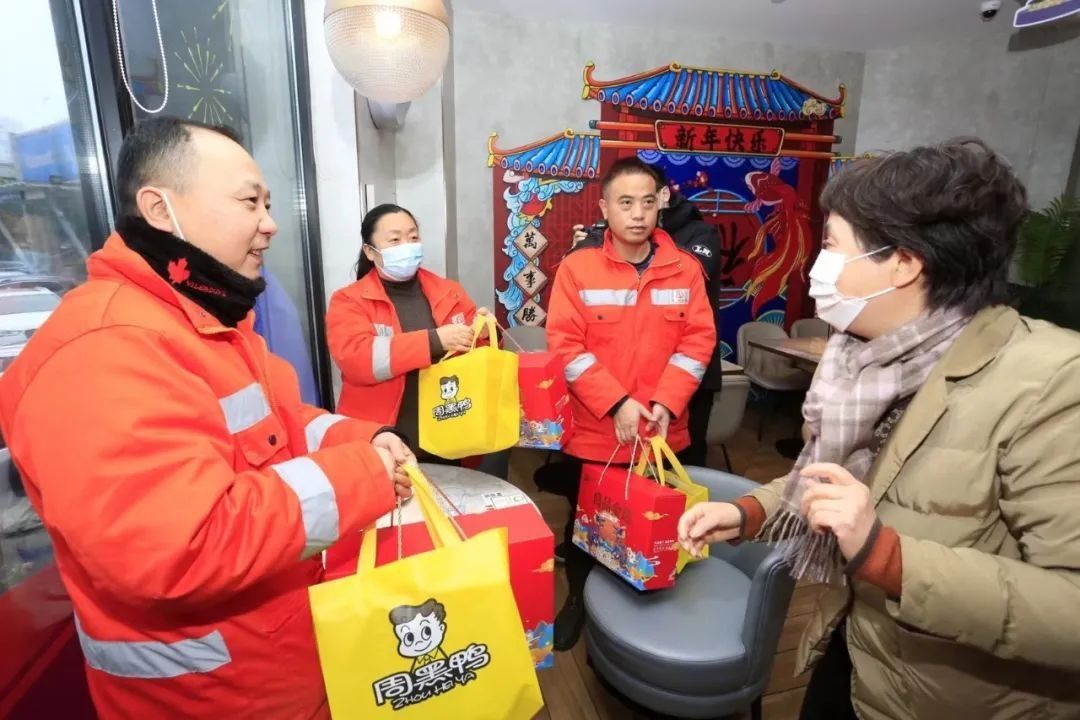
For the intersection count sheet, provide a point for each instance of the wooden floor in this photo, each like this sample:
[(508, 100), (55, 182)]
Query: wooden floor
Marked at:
[(572, 691)]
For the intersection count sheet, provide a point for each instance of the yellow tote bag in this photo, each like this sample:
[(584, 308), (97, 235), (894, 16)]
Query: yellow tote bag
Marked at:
[(680, 481), (435, 635), (469, 403)]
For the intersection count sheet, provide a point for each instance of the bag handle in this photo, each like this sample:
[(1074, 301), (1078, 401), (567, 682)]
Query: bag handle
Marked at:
[(629, 468), (673, 459), (507, 336), (442, 529), (661, 451), (656, 463), (479, 323)]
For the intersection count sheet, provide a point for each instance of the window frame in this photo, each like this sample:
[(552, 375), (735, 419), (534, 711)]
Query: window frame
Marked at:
[(116, 119)]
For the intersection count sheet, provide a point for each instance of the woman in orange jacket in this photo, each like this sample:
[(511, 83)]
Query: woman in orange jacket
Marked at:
[(394, 321)]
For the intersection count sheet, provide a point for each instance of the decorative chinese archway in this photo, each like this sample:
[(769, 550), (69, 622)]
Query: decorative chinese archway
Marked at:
[(751, 150)]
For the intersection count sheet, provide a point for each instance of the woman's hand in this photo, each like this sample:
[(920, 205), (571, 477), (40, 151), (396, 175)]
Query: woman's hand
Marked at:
[(483, 312), (455, 337), (836, 502), (707, 523)]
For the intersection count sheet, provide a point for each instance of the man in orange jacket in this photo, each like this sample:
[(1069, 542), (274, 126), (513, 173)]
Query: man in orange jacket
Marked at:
[(187, 490), (632, 322)]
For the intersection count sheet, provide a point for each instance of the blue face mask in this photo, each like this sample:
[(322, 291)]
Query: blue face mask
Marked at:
[(401, 262)]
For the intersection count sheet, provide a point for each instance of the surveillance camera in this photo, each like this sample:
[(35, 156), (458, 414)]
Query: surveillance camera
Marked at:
[(989, 9)]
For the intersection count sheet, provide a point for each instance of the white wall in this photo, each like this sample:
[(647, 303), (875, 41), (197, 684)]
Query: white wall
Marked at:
[(524, 80), (378, 165), (334, 142), (420, 181), (354, 158), (1019, 92)]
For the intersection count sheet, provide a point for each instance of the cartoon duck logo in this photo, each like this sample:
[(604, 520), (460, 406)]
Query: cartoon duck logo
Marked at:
[(420, 631), (451, 407), (449, 388)]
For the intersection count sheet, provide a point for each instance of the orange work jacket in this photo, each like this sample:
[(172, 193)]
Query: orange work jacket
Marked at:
[(373, 354), (188, 493), (648, 337)]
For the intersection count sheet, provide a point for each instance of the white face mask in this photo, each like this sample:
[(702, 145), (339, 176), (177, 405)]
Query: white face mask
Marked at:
[(834, 308), (172, 215), (401, 262)]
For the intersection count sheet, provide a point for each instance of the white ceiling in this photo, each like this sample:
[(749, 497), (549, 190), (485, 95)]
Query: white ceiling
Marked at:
[(844, 24)]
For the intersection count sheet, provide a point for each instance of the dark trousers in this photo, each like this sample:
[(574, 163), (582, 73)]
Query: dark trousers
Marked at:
[(828, 694), (564, 478), (699, 410), (15, 480)]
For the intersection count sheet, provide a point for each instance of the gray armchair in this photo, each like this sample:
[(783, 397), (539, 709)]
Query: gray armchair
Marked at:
[(810, 327), (726, 415), (771, 372), (703, 648), (527, 338)]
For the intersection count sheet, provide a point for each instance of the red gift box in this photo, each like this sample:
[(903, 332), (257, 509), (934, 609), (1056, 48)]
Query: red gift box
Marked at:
[(629, 523), (546, 421), (532, 564)]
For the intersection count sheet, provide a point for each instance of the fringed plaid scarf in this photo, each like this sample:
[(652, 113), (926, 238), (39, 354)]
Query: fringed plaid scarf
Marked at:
[(858, 382)]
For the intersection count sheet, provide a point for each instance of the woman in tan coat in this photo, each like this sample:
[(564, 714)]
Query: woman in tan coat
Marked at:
[(939, 494)]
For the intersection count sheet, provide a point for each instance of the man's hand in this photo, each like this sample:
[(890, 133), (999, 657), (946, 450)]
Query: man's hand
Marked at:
[(628, 421), (389, 445), (579, 234), (834, 501), (661, 420)]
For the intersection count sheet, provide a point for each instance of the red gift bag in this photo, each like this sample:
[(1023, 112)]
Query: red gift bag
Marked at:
[(546, 422), (629, 523), (532, 562)]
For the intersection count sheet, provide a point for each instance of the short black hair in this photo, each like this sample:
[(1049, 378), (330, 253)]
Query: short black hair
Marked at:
[(155, 147), (631, 166), (958, 206)]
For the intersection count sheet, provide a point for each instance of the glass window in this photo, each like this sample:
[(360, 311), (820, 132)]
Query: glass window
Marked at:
[(15, 305), (229, 62), (53, 209)]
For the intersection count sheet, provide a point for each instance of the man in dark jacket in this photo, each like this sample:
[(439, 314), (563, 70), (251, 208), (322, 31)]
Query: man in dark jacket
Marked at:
[(690, 231)]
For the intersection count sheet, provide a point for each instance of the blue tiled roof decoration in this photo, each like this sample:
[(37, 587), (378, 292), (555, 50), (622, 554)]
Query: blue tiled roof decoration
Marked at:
[(567, 155), (839, 163), (703, 92)]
